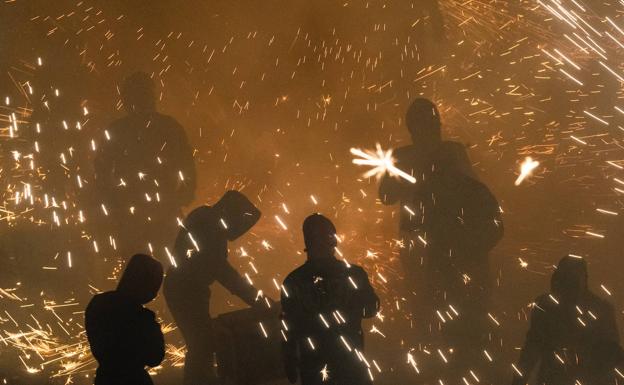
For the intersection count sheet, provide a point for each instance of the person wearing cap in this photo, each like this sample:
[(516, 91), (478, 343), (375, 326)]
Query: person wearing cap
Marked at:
[(144, 170), (124, 336), (573, 336), (201, 259), (323, 304)]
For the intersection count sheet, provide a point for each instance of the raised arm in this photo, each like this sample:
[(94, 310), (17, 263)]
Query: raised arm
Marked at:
[(235, 283)]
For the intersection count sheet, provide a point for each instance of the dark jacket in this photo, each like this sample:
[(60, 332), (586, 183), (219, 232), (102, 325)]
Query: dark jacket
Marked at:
[(124, 338), (154, 145), (323, 304), (570, 342), (419, 164)]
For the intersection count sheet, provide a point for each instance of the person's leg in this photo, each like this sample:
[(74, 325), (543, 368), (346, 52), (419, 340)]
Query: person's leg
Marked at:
[(412, 258), (191, 314)]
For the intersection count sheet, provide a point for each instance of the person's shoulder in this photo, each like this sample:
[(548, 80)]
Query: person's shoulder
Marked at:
[(102, 300), (544, 302), (118, 125), (450, 146), (356, 270), (147, 314), (404, 150), (168, 121), (104, 297), (296, 275), (601, 304)]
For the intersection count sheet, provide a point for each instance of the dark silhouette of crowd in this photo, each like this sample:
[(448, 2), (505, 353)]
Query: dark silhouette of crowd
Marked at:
[(449, 223)]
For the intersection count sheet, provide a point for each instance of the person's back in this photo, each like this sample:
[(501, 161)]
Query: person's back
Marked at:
[(582, 338), (323, 304), (144, 170), (329, 287), (147, 164), (124, 336), (573, 334), (124, 339)]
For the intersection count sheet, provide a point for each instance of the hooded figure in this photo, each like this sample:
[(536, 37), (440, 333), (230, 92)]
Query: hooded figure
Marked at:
[(123, 335), (323, 304), (201, 254), (573, 335)]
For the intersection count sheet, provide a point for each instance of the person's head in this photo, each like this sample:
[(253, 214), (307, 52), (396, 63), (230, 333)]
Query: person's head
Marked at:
[(141, 279), (319, 235), (423, 122), (137, 93), (569, 281)]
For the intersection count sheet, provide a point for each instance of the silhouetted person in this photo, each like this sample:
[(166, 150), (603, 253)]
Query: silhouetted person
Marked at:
[(573, 336), (124, 336), (144, 169), (449, 222), (323, 303), (201, 251), (419, 158)]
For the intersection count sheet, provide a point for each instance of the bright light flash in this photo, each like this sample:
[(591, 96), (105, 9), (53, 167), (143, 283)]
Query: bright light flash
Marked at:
[(381, 162), (526, 169)]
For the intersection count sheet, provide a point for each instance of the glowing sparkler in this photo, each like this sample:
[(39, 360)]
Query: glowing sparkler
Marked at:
[(381, 161), (526, 169)]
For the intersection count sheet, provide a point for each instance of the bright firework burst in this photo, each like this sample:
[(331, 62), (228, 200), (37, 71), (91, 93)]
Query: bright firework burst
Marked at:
[(381, 162)]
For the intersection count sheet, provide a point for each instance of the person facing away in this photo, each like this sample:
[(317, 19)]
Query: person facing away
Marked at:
[(201, 248), (573, 336), (144, 167), (323, 304), (124, 336)]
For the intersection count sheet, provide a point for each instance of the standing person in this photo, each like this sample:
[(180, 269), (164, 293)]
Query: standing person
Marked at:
[(449, 223), (323, 303), (573, 336), (419, 158), (144, 169), (202, 252), (124, 336)]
